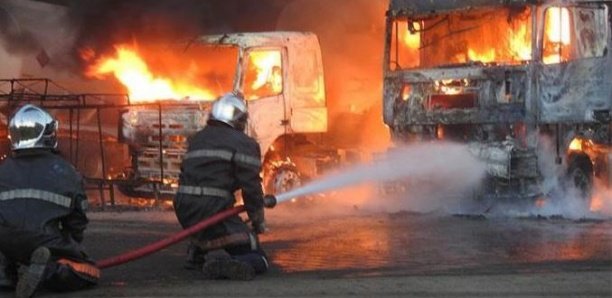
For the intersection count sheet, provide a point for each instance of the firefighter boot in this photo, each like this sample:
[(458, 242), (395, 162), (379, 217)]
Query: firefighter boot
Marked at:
[(220, 265), (5, 279), (195, 258), (33, 276)]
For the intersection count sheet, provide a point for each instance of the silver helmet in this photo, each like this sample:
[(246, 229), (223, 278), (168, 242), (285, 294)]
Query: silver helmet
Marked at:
[(32, 127), (230, 109)]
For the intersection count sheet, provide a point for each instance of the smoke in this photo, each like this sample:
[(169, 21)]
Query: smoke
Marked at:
[(437, 176), (14, 39), (351, 33), (561, 197), (35, 36), (54, 35)]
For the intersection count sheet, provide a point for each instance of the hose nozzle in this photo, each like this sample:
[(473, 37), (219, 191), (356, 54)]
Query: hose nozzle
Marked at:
[(269, 201)]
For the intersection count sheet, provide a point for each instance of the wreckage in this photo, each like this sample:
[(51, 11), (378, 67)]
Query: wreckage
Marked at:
[(281, 77), (503, 76)]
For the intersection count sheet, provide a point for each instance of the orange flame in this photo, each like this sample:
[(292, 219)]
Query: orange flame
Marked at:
[(412, 40), (602, 199), (485, 56), (268, 71), (520, 42), (133, 72), (557, 33), (519, 47), (576, 145)]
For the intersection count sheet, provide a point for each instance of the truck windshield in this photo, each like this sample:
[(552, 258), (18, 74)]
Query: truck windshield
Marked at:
[(489, 36), (211, 68)]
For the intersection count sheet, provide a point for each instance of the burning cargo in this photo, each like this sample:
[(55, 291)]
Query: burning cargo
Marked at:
[(503, 76)]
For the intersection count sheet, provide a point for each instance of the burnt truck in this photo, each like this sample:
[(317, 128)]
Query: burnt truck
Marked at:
[(506, 77), (280, 75)]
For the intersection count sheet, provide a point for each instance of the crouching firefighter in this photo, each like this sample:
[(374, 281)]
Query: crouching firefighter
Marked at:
[(42, 212), (221, 159)]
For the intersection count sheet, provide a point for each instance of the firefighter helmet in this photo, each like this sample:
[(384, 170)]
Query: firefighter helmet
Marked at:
[(32, 127), (231, 110)]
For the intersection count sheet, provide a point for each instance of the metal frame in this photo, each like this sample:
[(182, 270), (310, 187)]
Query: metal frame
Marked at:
[(51, 96)]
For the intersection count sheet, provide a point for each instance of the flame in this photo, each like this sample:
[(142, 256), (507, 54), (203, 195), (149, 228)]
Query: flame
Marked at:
[(520, 42), (519, 45), (412, 40), (576, 145), (557, 33), (558, 26), (133, 72), (601, 201), (406, 91), (485, 56), (268, 71)]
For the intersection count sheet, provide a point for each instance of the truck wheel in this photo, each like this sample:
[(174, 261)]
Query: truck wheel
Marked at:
[(282, 179), (580, 177)]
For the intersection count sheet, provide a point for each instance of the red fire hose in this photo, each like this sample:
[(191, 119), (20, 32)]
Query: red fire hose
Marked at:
[(153, 247)]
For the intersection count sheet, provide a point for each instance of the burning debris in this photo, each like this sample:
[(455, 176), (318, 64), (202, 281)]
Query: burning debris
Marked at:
[(475, 72), (481, 73), (276, 71)]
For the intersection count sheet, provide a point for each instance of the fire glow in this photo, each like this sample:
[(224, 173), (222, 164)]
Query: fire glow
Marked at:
[(202, 74), (132, 71), (514, 42), (268, 69), (557, 34), (264, 74)]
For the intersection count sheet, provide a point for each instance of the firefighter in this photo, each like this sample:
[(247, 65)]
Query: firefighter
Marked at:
[(42, 211), (220, 160)]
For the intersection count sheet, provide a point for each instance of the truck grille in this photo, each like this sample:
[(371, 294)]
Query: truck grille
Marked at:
[(140, 128)]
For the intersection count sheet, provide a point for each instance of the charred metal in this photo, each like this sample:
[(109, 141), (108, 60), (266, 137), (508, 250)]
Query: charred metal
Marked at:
[(500, 76)]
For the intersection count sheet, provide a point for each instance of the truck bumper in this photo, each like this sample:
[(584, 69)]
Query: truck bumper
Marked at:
[(512, 172)]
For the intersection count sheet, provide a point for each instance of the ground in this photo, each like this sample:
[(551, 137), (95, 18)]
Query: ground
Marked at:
[(371, 255)]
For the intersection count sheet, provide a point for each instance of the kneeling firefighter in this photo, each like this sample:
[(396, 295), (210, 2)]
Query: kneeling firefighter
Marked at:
[(42, 211), (220, 160)]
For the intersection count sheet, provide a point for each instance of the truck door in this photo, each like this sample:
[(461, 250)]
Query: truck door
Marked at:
[(263, 87), (575, 73)]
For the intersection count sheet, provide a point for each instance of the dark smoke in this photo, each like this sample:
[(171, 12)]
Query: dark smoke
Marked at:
[(103, 23), (16, 41), (26, 27)]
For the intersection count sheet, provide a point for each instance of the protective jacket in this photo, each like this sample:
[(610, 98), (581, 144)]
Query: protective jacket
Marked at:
[(42, 203), (220, 160)]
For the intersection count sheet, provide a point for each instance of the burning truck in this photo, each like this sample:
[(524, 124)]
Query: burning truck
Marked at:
[(503, 76), (280, 75)]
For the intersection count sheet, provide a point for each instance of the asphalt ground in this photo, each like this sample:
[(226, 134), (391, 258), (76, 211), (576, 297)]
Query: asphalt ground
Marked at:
[(370, 254)]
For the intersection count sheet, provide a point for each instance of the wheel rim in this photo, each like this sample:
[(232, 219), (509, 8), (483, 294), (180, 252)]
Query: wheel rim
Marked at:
[(286, 180)]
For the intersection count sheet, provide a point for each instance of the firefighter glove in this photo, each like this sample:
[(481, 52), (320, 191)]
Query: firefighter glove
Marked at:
[(258, 221)]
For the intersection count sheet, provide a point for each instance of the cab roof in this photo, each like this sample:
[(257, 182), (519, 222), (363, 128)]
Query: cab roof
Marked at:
[(252, 39), (427, 7)]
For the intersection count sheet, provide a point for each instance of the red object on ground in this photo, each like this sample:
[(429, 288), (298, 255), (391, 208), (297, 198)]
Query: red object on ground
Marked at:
[(153, 247)]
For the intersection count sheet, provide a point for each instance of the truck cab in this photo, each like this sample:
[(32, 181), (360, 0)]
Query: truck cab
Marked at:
[(280, 75), (505, 77)]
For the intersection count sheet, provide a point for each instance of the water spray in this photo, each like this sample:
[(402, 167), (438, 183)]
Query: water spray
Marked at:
[(418, 161)]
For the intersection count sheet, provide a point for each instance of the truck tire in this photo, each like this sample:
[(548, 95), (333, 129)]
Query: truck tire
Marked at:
[(580, 177), (282, 179)]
